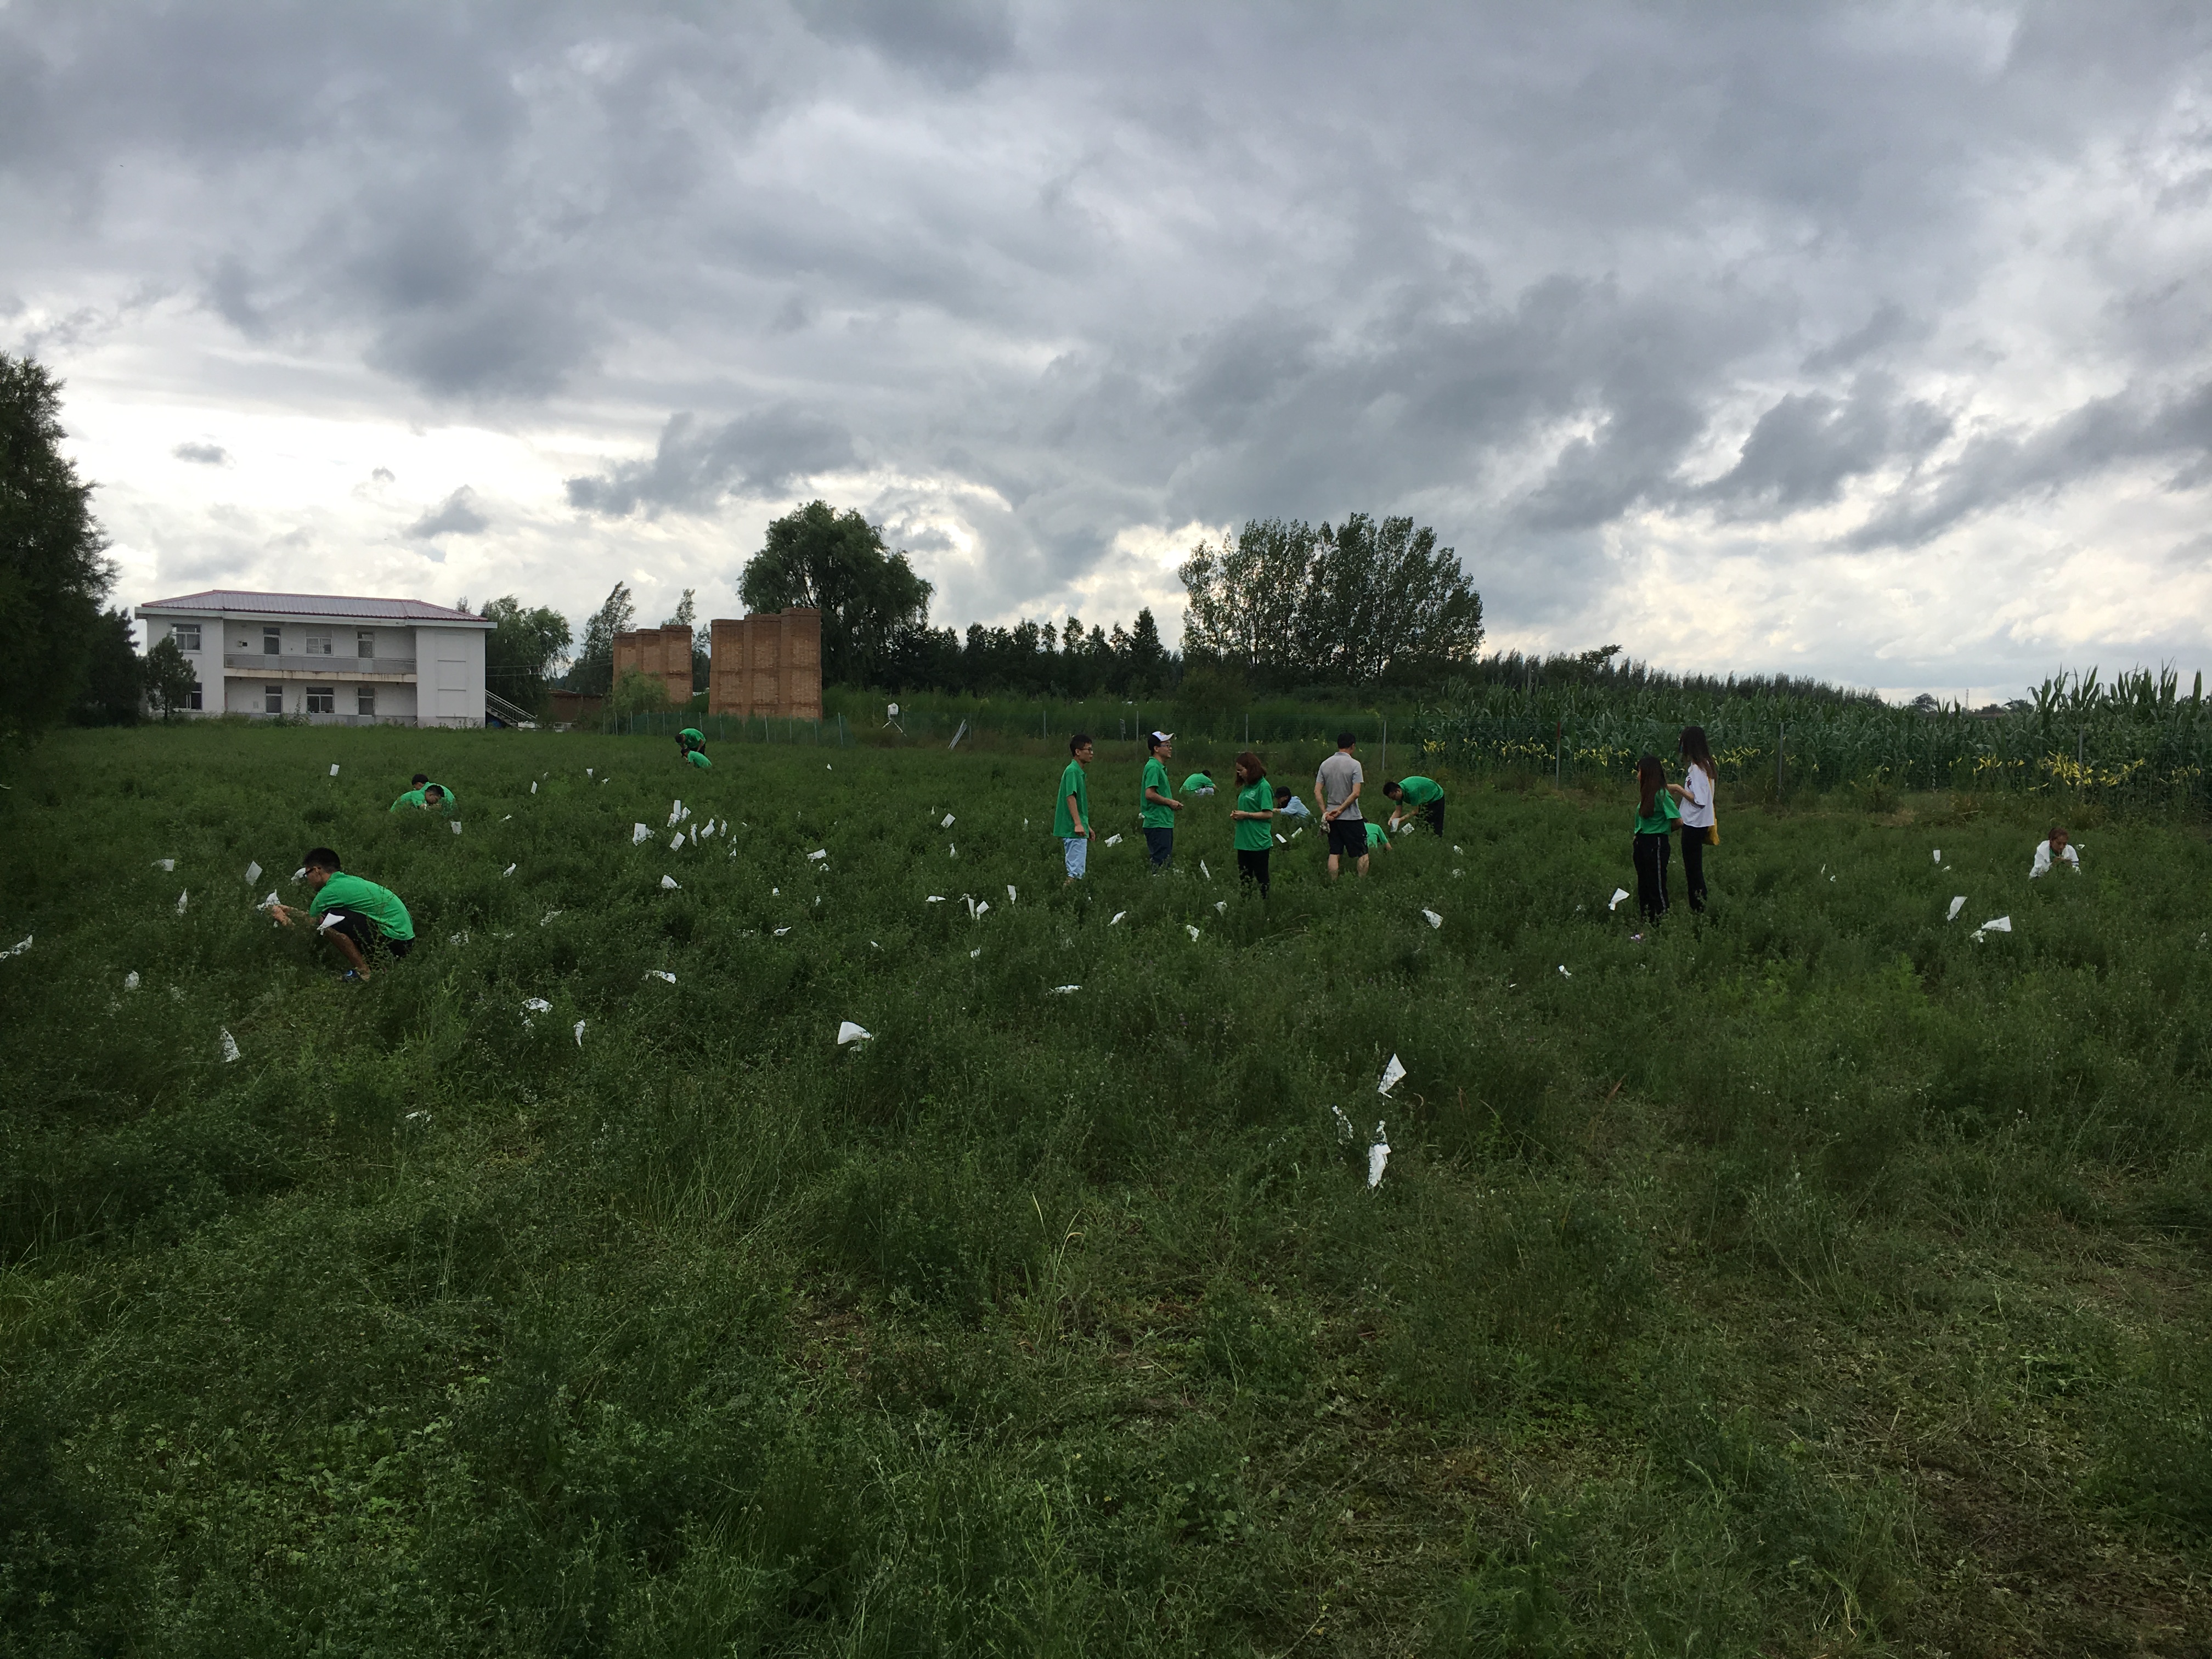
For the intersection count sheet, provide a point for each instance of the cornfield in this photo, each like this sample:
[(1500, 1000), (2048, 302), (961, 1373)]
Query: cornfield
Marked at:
[(2134, 738)]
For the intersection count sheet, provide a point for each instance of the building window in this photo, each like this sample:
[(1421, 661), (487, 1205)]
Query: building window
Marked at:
[(365, 702), (364, 644), (186, 635), (272, 641), (318, 645), (272, 699), (322, 699), (197, 694)]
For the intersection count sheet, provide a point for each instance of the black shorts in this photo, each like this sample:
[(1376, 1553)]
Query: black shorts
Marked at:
[(1347, 838), (365, 933)]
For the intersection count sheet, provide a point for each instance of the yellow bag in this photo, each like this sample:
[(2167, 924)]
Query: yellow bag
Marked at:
[(1712, 835)]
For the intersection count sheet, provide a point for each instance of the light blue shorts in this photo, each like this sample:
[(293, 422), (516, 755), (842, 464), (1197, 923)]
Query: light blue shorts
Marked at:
[(1078, 854)]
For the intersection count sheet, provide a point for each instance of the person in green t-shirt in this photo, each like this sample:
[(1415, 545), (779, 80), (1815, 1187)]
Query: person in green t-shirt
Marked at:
[(1378, 838), (1071, 813), (426, 795), (1423, 795), (691, 747), (1254, 816), (355, 915), (1198, 784), (1157, 808), (1655, 815)]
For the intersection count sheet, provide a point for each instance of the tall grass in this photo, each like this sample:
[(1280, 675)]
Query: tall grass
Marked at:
[(1810, 1279)]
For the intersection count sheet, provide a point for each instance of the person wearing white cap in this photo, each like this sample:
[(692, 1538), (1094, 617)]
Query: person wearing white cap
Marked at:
[(1157, 807)]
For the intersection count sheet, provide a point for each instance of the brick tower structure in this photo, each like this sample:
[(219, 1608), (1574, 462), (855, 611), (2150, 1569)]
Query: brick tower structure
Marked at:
[(770, 663), (663, 652)]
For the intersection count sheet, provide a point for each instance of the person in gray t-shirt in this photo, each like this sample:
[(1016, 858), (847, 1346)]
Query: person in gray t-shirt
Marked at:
[(1336, 792)]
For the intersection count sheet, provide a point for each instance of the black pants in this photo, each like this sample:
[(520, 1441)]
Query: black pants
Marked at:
[(1160, 843), (366, 933), (1253, 866), (1693, 866), (1652, 875), (1434, 811)]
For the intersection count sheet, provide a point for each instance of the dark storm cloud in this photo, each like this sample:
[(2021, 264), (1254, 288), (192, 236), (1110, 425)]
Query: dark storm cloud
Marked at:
[(457, 516), (1050, 275), (696, 467), (2171, 434)]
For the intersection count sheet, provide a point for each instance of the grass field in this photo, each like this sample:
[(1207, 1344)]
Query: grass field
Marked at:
[(1811, 1280)]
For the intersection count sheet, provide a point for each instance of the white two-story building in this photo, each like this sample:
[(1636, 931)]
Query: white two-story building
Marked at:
[(325, 658)]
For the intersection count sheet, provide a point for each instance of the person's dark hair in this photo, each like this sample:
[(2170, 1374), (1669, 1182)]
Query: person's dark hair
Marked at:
[(1154, 739), (1697, 752), (1393, 788), (419, 780), (321, 857), (1282, 795), (1651, 778), (1345, 739), (1251, 768), (2056, 831), (437, 789), (1080, 740)]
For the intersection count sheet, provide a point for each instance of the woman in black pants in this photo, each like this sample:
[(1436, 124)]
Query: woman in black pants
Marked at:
[(1696, 795), (1252, 820), (1655, 813)]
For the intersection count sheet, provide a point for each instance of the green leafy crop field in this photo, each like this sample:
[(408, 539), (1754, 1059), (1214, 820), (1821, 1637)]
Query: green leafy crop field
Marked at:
[(1812, 1278)]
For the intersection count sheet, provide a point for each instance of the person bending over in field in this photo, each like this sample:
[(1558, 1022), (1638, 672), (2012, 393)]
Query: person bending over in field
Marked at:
[(1656, 814), (2054, 850), (1157, 808), (1336, 792), (1252, 821), (1071, 813), (429, 796), (1422, 795), (1198, 784), (1290, 805), (1378, 838), (358, 916), (691, 747)]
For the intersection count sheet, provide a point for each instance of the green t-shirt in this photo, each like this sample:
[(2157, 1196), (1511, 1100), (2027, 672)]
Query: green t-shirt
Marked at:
[(1077, 782), (1196, 781), (379, 904), (420, 797), (1419, 792), (698, 758), (1154, 815), (692, 734), (1661, 821), (1376, 834), (1255, 835)]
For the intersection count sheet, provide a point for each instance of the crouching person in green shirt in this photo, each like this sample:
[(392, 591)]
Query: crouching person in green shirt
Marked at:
[(357, 915), (429, 796), (1422, 795), (691, 747)]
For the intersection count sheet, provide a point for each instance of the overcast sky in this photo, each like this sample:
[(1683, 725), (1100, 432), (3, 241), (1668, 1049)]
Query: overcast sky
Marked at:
[(1865, 342)]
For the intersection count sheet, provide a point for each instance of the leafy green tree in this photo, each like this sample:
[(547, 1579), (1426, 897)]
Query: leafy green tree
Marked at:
[(522, 650), (639, 693), (168, 677), (1357, 603), (114, 677), (837, 563), (593, 671), (1247, 596), (52, 574), (687, 616)]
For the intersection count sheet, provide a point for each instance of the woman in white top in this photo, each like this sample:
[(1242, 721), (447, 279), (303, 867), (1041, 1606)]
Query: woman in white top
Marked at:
[(2054, 846), (1695, 795)]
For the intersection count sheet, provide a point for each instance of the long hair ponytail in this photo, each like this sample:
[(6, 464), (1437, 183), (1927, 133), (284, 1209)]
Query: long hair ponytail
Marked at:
[(1699, 753), (1651, 777)]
